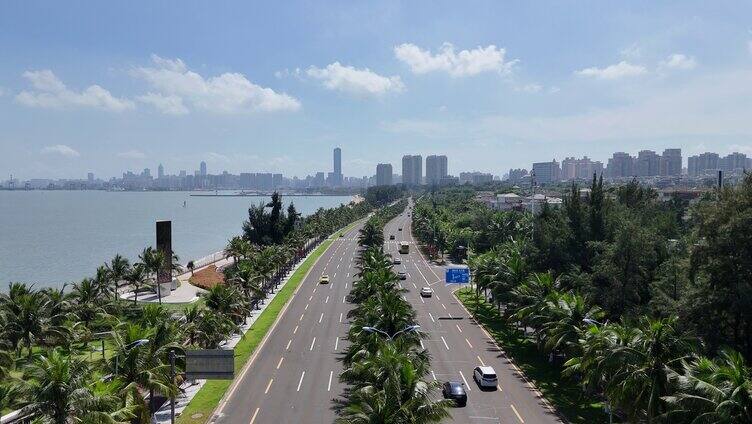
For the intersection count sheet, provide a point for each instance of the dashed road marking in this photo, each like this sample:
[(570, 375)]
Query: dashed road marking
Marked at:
[(300, 383), (340, 317), (321, 317), (480, 360), (519, 417), (329, 385), (268, 386), (253, 418), (433, 320), (294, 331), (467, 386), (468, 343), (336, 343), (288, 345), (326, 300), (313, 342), (458, 327), (445, 343), (279, 364)]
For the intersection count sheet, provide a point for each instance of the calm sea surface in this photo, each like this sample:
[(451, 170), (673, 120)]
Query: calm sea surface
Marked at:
[(56, 237)]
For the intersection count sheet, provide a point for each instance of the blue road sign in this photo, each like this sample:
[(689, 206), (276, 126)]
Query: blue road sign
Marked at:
[(457, 275)]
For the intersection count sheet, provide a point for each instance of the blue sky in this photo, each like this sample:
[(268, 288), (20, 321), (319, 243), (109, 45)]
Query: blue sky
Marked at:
[(105, 87)]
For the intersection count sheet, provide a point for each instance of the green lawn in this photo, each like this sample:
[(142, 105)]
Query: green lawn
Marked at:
[(562, 392), (200, 408)]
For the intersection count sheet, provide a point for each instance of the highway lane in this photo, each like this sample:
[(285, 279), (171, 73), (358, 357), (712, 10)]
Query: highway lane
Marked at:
[(295, 375), (457, 344)]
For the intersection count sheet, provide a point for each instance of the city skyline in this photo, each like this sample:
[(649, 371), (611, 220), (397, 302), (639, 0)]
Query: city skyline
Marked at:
[(377, 80)]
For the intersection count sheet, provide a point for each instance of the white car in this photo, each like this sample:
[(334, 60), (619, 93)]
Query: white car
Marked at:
[(485, 377), (426, 292), (397, 261)]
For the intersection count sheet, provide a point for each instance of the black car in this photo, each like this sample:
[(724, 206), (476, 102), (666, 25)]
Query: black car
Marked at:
[(399, 229), (456, 391), (391, 237)]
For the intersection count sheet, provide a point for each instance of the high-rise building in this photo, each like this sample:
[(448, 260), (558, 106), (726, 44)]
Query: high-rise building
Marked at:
[(733, 162), (90, 177), (436, 169), (202, 169), (516, 175), (160, 171), (647, 164), (569, 168), (384, 174), (336, 179), (546, 172), (671, 162), (703, 163), (620, 165), (412, 169)]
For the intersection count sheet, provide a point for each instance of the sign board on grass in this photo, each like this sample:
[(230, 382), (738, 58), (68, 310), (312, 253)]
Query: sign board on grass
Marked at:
[(458, 275), (210, 364)]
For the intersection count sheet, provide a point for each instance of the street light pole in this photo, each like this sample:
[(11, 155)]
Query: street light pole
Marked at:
[(172, 398)]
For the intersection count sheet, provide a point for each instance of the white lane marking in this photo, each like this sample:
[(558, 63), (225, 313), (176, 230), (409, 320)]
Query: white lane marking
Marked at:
[(480, 360), (415, 285), (421, 299), (421, 345), (442, 305), (310, 298), (295, 330), (433, 320), (301, 380), (313, 342), (253, 418), (268, 386), (329, 385), (445, 343), (519, 417), (334, 276), (336, 343), (458, 327), (340, 317), (321, 317), (468, 343), (279, 364), (314, 289), (343, 298), (346, 283), (467, 386), (306, 306), (301, 317), (437, 297), (348, 274), (433, 375), (288, 345)]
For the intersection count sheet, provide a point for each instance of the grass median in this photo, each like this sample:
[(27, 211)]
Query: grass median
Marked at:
[(564, 393), (202, 405)]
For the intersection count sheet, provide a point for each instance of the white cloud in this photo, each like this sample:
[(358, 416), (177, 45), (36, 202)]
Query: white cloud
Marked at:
[(355, 81), (226, 93), (50, 92), (530, 88), (678, 61), (613, 72), (749, 46), (132, 154), (61, 149), (462, 64), (168, 104)]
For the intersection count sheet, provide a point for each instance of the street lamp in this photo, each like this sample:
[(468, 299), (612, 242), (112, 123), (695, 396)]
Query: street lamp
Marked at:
[(407, 329), (591, 321), (127, 348)]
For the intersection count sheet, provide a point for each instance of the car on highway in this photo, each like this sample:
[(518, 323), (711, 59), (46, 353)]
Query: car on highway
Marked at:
[(402, 275), (391, 236), (324, 279), (455, 391), (426, 292), (397, 261), (485, 376), (399, 229)]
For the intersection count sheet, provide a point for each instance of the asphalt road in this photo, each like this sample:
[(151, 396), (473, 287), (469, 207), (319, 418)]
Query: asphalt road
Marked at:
[(293, 377), (457, 344)]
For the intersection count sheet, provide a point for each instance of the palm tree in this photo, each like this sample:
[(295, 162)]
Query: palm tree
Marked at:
[(248, 280), (86, 295), (371, 235), (59, 387), (153, 261), (712, 391), (237, 248), (119, 268), (138, 279), (227, 301), (567, 314)]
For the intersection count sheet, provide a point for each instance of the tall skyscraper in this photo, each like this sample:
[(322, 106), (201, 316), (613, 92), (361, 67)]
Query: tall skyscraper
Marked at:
[(648, 164), (620, 165), (671, 162), (412, 169), (384, 174), (546, 172), (436, 169), (160, 171), (337, 174), (202, 169)]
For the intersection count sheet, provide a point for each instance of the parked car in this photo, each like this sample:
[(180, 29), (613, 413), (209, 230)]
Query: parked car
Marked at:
[(391, 236), (402, 275), (324, 279), (456, 391), (485, 377), (399, 229), (397, 261), (426, 292)]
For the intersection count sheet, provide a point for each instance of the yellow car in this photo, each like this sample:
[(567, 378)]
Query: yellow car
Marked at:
[(324, 279)]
